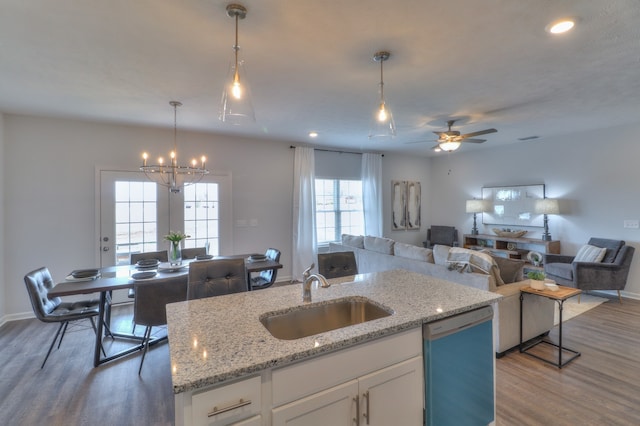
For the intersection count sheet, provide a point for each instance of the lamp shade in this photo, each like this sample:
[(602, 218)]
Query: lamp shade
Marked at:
[(475, 206), (547, 206)]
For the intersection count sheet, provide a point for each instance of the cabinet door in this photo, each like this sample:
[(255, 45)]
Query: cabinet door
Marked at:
[(335, 406), (253, 421), (393, 395)]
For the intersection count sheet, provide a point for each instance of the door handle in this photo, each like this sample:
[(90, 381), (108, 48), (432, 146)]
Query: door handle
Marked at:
[(356, 420), (366, 414)]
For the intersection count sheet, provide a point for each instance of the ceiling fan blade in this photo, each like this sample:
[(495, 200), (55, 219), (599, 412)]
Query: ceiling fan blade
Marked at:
[(473, 140), (478, 133), (412, 142)]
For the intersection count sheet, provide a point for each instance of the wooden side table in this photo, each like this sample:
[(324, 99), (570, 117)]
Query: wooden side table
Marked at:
[(562, 294)]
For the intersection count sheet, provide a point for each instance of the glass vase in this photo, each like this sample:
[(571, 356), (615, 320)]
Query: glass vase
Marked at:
[(175, 253)]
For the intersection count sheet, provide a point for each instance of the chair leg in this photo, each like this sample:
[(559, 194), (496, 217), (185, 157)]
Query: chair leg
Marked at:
[(64, 330), (146, 338), (62, 324)]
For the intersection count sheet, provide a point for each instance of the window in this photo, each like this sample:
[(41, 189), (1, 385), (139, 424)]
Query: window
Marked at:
[(338, 209)]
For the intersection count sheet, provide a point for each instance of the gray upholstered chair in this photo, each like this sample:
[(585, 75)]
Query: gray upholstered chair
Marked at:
[(38, 283), (149, 306), (337, 264), (216, 277), (610, 274), (266, 278), (443, 235), (191, 253)]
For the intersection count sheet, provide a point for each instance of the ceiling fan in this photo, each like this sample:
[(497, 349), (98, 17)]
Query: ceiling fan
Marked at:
[(451, 139)]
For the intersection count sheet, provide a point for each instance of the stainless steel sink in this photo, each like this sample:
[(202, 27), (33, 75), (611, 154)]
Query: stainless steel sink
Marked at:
[(315, 318)]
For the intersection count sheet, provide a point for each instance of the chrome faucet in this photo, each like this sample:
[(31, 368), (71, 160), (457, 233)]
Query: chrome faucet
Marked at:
[(309, 278)]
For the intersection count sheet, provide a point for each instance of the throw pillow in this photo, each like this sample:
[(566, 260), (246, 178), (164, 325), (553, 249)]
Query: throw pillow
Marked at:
[(590, 254), (413, 252), (510, 270), (440, 254), (356, 241), (379, 244)]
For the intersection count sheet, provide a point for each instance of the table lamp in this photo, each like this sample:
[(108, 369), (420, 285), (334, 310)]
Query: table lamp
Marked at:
[(475, 207), (547, 206)]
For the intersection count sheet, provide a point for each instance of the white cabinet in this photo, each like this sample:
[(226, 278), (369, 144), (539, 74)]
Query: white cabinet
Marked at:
[(334, 406), (392, 395)]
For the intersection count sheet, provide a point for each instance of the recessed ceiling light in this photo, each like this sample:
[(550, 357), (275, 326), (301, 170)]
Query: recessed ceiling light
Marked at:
[(561, 26), (313, 134)]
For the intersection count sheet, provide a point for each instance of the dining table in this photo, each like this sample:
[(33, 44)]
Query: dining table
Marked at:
[(113, 278)]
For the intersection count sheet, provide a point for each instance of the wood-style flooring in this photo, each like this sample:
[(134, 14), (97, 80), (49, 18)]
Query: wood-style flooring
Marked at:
[(602, 387)]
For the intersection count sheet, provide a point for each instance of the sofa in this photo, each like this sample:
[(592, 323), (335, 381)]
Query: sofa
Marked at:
[(503, 276)]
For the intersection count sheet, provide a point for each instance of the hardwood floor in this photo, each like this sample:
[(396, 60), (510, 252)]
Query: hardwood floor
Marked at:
[(602, 387)]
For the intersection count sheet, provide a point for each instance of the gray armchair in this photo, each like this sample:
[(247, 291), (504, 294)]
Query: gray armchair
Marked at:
[(443, 235), (610, 274)]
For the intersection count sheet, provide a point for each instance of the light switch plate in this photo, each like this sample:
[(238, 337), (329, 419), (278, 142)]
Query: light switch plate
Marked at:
[(632, 224)]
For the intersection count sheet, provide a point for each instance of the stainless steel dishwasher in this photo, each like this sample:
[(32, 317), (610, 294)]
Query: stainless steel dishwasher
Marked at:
[(458, 367)]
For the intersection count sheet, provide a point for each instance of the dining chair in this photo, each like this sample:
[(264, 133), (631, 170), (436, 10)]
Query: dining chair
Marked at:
[(51, 310), (337, 264), (149, 306), (160, 256), (191, 253), (216, 277), (266, 278)]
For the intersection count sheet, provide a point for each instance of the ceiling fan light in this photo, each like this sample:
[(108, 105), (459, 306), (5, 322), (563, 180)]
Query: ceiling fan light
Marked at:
[(449, 146)]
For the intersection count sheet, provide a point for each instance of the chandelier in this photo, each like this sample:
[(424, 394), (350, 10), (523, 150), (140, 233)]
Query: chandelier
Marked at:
[(172, 175)]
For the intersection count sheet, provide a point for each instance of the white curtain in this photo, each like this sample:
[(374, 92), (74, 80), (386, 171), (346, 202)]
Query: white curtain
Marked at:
[(372, 193), (304, 213)]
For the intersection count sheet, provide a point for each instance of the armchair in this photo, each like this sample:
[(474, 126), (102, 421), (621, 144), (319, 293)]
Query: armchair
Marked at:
[(610, 274), (443, 235)]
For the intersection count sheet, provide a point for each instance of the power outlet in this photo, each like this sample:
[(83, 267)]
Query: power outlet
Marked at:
[(632, 224)]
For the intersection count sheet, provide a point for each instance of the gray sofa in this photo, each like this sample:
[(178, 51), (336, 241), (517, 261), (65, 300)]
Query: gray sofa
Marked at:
[(375, 254)]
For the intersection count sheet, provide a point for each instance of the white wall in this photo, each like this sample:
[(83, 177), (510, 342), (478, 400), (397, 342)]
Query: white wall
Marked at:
[(595, 175), (49, 192), (2, 223)]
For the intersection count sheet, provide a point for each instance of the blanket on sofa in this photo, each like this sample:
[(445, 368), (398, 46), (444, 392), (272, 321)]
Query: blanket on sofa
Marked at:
[(465, 260)]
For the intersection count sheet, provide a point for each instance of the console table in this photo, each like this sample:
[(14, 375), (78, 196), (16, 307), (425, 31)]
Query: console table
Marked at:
[(513, 248)]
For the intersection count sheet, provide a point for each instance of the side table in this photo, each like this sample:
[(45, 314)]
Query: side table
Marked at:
[(562, 294)]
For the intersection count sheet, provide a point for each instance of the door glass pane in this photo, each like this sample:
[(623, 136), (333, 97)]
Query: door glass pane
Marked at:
[(136, 219), (201, 216)]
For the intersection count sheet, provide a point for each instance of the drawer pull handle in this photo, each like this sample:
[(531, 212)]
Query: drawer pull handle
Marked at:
[(238, 404)]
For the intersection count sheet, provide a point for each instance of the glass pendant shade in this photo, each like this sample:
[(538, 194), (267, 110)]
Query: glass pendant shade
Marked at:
[(382, 124), (236, 106)]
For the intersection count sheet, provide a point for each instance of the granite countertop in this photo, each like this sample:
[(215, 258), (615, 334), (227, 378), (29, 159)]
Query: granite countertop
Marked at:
[(221, 338)]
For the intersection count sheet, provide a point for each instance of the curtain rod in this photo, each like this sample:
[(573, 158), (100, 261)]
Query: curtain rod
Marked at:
[(332, 150)]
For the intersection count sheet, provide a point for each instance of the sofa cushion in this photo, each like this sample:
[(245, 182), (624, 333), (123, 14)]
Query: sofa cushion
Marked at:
[(612, 246), (441, 254), (510, 270), (588, 253), (353, 240), (413, 252), (379, 244)]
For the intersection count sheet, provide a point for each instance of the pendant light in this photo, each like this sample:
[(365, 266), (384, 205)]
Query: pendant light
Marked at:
[(382, 123), (172, 175), (236, 106)]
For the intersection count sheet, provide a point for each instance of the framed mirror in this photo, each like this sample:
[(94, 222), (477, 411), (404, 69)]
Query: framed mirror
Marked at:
[(513, 205)]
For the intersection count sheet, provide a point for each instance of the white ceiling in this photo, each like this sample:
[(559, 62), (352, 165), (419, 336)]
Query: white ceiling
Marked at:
[(489, 63)]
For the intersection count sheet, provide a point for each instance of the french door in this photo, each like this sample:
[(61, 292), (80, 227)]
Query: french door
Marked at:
[(136, 213)]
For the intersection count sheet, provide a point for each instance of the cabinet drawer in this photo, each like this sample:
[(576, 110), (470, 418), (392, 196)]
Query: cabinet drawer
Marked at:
[(228, 403)]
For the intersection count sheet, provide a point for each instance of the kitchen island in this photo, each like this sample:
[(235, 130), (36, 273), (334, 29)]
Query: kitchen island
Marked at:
[(219, 348)]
